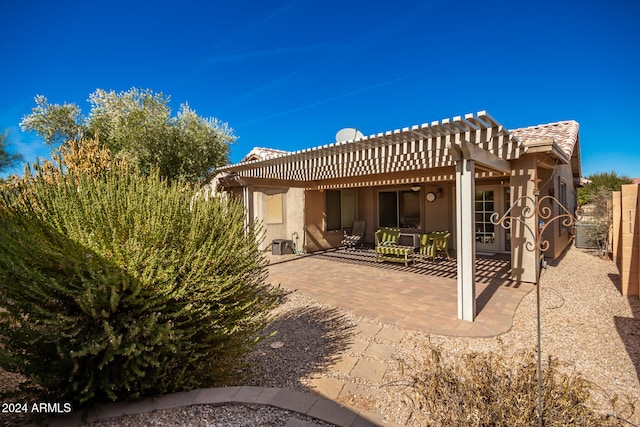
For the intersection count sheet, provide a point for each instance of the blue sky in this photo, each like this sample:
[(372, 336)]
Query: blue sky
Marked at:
[(289, 75)]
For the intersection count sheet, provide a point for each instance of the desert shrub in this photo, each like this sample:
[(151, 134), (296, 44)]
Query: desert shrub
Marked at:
[(481, 389), (115, 285)]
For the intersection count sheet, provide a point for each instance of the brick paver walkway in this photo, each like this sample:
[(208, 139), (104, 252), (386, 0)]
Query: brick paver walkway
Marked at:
[(421, 297)]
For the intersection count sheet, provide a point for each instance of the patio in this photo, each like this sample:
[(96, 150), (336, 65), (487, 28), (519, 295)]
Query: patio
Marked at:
[(420, 297), (453, 175)]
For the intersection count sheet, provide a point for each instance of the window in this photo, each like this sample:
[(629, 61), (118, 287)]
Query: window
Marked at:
[(562, 198), (400, 209), (340, 209), (563, 193), (388, 208), (507, 231), (274, 209), (484, 209)]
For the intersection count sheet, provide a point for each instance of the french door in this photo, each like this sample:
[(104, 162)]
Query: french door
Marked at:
[(489, 199), (487, 234)]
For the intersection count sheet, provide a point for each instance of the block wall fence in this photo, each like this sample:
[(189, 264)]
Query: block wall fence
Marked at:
[(626, 237)]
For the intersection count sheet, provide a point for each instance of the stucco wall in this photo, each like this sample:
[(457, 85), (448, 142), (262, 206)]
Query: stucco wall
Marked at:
[(559, 236), (523, 261), (295, 216), (438, 214), (366, 212), (315, 237), (292, 223)]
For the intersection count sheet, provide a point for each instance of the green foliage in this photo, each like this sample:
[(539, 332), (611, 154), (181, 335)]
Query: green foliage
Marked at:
[(610, 181), (485, 390), (597, 198), (7, 160), (118, 285), (54, 123), (139, 124)]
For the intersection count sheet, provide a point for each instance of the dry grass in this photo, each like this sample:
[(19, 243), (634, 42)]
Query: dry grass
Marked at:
[(485, 389)]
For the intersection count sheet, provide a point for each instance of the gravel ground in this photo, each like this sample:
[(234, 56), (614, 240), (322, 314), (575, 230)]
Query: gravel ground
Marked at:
[(212, 416), (586, 324)]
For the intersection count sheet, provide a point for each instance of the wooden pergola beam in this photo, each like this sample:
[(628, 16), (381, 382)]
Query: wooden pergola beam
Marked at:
[(416, 148)]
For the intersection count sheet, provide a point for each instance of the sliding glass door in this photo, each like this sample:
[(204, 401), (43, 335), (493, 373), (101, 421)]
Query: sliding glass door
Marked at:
[(400, 209)]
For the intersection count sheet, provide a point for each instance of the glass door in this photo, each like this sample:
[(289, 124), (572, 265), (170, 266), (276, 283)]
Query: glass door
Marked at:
[(485, 206), (400, 209), (507, 231)]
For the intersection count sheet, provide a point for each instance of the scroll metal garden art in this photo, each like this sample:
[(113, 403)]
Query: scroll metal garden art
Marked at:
[(539, 209)]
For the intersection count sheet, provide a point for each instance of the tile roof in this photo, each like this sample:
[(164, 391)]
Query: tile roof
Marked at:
[(565, 134), (261, 153)]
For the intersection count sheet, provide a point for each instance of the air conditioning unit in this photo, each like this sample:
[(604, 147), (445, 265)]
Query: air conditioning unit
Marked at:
[(282, 247)]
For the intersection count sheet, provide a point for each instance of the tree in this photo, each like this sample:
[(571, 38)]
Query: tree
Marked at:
[(609, 181), (596, 196), (54, 123), (139, 124), (7, 159)]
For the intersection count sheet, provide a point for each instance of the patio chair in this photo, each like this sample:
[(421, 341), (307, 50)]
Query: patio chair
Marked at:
[(388, 249), (434, 242), (387, 236), (356, 237)]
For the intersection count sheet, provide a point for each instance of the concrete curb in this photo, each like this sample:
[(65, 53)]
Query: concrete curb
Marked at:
[(304, 403)]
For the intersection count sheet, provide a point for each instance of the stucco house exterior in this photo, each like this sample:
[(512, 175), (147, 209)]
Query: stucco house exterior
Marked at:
[(451, 174)]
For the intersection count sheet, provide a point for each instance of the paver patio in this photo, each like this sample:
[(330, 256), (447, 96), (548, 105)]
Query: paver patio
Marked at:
[(422, 297)]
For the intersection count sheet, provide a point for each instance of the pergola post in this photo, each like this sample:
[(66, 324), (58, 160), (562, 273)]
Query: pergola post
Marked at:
[(247, 199), (465, 238), (466, 155)]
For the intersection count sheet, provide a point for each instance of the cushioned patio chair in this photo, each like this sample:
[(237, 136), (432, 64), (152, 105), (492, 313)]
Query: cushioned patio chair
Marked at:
[(388, 249), (433, 243), (356, 237), (387, 236)]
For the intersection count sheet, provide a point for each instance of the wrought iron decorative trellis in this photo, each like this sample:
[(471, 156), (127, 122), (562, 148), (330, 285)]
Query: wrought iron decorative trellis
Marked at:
[(543, 216), (535, 209)]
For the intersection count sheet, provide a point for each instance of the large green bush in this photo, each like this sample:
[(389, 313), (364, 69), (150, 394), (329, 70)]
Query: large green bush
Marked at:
[(116, 285)]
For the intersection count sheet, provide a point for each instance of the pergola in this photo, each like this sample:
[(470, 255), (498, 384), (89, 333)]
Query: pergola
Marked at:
[(461, 149)]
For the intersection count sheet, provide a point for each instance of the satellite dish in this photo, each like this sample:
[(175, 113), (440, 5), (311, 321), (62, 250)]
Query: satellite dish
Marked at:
[(348, 134)]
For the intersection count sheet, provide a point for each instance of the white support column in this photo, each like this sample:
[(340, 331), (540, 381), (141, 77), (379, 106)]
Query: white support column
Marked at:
[(465, 237), (247, 200)]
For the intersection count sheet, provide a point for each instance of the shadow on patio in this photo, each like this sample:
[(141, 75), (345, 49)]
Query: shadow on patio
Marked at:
[(421, 297)]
